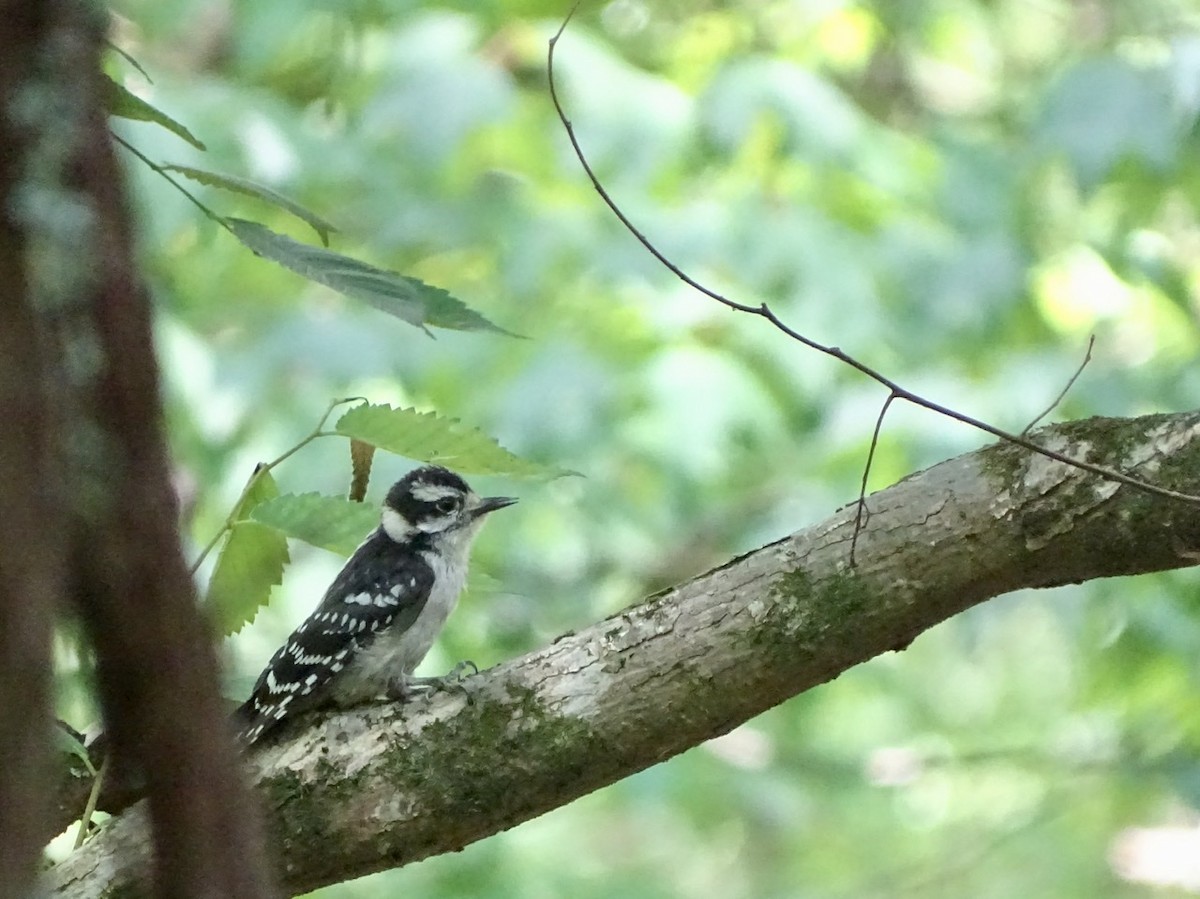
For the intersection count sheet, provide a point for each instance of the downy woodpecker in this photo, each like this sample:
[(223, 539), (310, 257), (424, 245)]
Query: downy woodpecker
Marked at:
[(382, 613)]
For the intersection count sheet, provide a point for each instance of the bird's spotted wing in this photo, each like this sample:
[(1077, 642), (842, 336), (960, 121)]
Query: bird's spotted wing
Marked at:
[(380, 587)]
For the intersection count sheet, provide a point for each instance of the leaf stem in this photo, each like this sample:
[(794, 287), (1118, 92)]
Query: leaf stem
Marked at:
[(159, 170), (318, 431)]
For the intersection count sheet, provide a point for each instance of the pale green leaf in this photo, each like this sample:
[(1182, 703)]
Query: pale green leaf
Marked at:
[(329, 522), (258, 191), (250, 564), (126, 105), (406, 298), (429, 437)]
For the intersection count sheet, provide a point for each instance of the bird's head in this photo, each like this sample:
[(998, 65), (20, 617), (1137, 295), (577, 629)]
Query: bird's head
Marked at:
[(436, 502)]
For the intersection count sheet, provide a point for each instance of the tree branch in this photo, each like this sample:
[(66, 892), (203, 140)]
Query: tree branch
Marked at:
[(371, 789)]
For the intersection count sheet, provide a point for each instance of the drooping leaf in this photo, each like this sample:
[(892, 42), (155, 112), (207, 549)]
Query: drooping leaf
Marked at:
[(430, 437), (259, 191), (126, 105), (329, 522), (361, 456), (129, 59), (250, 564), (406, 298)]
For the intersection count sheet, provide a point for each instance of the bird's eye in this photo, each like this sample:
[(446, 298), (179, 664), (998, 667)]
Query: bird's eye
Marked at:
[(446, 505)]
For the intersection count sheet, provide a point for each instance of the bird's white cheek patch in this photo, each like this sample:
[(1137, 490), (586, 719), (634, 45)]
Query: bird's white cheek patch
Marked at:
[(395, 526)]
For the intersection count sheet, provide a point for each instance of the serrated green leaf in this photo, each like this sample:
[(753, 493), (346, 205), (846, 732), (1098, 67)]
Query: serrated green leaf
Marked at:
[(126, 105), (406, 298), (258, 191), (329, 522), (429, 437), (250, 564)]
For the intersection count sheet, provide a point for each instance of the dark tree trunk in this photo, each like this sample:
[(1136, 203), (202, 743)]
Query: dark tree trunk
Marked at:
[(86, 507), (31, 545)]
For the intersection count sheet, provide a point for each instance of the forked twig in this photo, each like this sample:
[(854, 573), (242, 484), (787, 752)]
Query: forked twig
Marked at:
[(264, 467), (764, 311)]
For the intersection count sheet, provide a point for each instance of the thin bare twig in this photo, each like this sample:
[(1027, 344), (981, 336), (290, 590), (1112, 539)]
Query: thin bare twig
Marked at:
[(1087, 357), (85, 820), (863, 513), (764, 311)]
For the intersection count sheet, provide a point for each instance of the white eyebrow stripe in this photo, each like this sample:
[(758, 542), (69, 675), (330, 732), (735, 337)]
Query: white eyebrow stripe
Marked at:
[(430, 493)]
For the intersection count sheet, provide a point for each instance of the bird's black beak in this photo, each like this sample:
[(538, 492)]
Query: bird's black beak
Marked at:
[(492, 503)]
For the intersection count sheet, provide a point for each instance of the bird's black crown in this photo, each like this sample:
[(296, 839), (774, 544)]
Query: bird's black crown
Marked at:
[(416, 495)]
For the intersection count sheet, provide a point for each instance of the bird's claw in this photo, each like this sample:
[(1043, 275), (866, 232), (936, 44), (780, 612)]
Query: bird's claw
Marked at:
[(456, 673), (453, 681)]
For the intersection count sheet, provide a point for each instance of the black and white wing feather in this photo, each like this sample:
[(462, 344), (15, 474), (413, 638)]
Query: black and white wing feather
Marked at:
[(383, 588)]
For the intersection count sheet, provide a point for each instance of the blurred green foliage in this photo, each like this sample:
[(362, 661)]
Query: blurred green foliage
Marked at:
[(957, 191)]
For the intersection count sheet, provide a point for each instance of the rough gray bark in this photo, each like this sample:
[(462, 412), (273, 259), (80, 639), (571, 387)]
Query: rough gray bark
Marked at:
[(366, 790)]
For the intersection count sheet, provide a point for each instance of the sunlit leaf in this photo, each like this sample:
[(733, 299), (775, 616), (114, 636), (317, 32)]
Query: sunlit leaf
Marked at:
[(430, 437), (252, 189), (406, 298), (126, 105), (329, 522), (250, 564)]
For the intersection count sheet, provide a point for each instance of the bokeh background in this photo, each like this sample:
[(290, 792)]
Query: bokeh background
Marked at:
[(959, 192)]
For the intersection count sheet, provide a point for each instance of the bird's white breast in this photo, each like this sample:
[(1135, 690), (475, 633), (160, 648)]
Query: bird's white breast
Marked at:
[(397, 651)]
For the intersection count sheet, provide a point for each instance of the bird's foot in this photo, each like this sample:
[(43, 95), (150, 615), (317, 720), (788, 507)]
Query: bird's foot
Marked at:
[(453, 681)]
